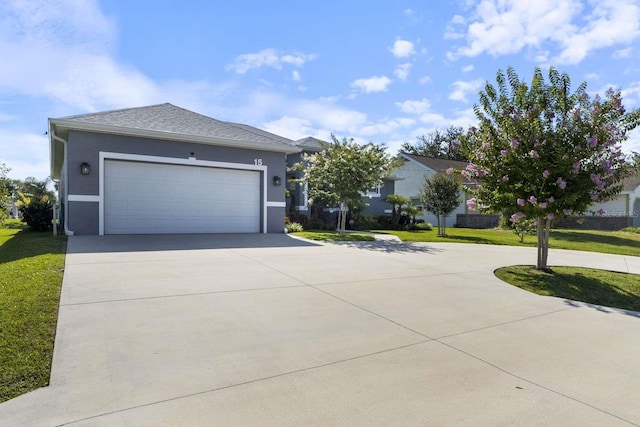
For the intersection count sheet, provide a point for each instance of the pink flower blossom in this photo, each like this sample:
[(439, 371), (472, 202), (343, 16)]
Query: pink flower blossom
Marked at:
[(542, 205), (521, 202), (504, 152), (567, 211), (516, 217), (534, 154), (505, 178), (561, 183), (593, 141), (533, 200), (471, 204), (546, 173), (485, 145), (576, 166), (514, 143), (449, 171), (550, 216), (601, 212), (551, 200)]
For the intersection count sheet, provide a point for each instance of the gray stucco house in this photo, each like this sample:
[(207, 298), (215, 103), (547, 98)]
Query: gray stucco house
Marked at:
[(162, 169)]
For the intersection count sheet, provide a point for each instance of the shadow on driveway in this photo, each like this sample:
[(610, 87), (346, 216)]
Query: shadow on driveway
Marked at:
[(177, 242), (390, 246)]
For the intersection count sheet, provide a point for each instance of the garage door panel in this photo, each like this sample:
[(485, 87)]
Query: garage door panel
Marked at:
[(148, 198)]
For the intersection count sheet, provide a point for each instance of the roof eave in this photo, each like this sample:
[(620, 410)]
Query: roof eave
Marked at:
[(145, 133)]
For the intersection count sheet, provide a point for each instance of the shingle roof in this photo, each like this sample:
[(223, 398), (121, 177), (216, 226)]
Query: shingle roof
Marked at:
[(170, 119), (310, 143), (438, 165), (631, 183)]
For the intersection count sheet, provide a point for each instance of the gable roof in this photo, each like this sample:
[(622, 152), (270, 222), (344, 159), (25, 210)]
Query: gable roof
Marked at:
[(439, 165), (164, 121), (631, 183), (310, 144)]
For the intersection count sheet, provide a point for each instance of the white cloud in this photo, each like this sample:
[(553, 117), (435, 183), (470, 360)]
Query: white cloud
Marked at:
[(386, 126), (402, 71), (467, 68), (622, 53), (402, 49), (461, 89), (268, 58), (414, 106), (372, 84), (295, 75), (500, 27), (424, 80), (25, 153)]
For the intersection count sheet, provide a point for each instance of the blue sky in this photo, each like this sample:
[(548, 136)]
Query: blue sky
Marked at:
[(383, 71)]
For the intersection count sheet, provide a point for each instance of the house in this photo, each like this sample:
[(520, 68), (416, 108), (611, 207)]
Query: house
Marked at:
[(163, 169), (409, 181), (298, 201), (620, 212)]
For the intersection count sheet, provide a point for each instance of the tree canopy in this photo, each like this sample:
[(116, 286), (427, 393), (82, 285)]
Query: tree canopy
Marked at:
[(343, 171), (542, 152), (442, 144)]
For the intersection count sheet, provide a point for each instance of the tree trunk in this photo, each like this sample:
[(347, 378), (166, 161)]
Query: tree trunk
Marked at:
[(439, 226), (342, 218), (543, 243)]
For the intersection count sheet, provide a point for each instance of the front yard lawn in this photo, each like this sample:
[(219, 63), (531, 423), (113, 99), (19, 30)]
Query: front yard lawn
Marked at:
[(612, 242), (331, 236), (31, 269), (619, 290)]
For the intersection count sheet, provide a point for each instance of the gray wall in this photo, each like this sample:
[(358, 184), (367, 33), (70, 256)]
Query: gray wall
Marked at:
[(377, 205), (86, 146)]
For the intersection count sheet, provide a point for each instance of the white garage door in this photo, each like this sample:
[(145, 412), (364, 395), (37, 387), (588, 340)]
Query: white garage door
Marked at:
[(151, 198)]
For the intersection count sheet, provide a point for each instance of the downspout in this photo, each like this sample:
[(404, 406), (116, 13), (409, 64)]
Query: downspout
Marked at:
[(65, 168)]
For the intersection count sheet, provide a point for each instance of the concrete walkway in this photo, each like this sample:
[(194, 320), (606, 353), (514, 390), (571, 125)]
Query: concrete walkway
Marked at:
[(269, 330)]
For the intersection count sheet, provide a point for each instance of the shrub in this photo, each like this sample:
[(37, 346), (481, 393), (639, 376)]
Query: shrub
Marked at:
[(365, 222), (38, 214), (422, 226), (292, 227)]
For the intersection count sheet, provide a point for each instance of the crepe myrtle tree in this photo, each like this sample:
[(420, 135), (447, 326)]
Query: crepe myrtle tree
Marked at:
[(343, 171), (545, 152)]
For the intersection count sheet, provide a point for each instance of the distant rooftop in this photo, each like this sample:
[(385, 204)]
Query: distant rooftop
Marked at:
[(310, 143)]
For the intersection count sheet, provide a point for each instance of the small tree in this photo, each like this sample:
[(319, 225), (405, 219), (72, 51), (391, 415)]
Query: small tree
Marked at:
[(343, 171), (544, 152), (4, 192), (440, 196), (397, 201)]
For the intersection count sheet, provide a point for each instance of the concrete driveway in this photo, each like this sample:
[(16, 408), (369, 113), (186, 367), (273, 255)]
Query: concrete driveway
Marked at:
[(268, 330)]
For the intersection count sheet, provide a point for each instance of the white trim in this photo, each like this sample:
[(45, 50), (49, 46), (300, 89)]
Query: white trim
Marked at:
[(105, 155), (302, 208), (83, 198), (276, 204)]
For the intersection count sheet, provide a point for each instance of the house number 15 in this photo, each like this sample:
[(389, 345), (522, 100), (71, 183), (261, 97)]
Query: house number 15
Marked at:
[(258, 162)]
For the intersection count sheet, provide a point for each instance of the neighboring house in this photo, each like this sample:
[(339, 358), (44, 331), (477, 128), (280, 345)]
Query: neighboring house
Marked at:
[(622, 211), (298, 201), (409, 181), (163, 169)]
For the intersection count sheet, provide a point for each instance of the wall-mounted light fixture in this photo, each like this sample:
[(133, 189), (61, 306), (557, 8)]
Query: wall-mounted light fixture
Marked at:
[(277, 180), (85, 169)]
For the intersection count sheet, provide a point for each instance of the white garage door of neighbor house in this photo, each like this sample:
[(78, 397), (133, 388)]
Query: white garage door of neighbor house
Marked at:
[(152, 198)]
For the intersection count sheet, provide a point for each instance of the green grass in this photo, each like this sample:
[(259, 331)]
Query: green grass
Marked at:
[(331, 236), (619, 290), (31, 268), (613, 242)]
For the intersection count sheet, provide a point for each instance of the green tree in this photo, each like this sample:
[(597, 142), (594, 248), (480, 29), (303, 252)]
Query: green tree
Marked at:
[(397, 203), (438, 143), (4, 192), (343, 171), (440, 195), (545, 152), (35, 202)]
